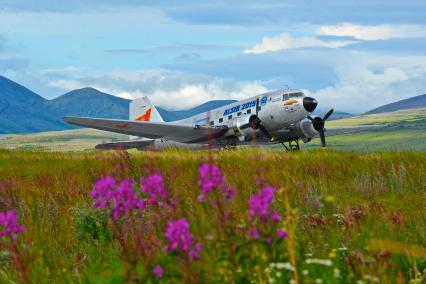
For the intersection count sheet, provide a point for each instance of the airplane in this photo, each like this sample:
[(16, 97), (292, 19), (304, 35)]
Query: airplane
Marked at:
[(282, 116)]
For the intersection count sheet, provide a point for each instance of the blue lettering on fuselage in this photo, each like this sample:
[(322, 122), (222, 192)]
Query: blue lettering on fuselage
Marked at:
[(239, 107)]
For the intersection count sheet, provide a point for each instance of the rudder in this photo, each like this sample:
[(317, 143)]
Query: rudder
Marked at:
[(141, 109)]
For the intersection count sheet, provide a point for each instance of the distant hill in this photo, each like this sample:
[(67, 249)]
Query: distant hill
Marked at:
[(89, 102), (23, 111), (414, 102), (336, 114)]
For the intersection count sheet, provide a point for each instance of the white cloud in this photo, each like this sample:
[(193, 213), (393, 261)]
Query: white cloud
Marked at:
[(366, 81), (172, 90), (379, 32), (286, 41), (67, 84)]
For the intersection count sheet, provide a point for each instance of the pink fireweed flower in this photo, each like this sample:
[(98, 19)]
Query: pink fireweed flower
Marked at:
[(211, 178), (180, 238), (254, 233), (158, 271), (103, 192), (282, 234), (121, 198), (259, 206), (195, 252), (9, 226), (275, 217), (125, 200), (230, 192), (153, 185)]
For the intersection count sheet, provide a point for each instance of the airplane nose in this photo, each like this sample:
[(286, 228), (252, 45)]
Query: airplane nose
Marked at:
[(309, 104)]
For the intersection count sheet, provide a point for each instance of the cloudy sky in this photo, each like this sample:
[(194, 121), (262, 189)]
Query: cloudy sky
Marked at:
[(353, 55)]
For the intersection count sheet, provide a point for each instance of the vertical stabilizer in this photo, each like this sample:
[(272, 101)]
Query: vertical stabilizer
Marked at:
[(142, 109)]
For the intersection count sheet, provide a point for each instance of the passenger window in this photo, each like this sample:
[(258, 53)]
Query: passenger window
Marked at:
[(211, 123), (230, 117), (248, 111), (239, 114), (221, 120)]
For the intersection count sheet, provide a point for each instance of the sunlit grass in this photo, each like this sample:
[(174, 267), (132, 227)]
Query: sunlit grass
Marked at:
[(364, 212)]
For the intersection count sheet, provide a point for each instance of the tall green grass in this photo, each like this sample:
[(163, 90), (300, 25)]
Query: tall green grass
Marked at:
[(363, 211)]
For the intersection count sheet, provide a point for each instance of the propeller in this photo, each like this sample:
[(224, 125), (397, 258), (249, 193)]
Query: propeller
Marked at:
[(319, 124), (256, 123)]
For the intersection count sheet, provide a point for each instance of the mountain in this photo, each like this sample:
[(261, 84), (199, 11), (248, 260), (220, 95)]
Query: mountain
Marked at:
[(23, 111), (414, 102), (91, 103), (336, 114)]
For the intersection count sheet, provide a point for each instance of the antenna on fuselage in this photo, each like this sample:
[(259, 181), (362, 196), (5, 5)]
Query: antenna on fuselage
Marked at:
[(285, 87)]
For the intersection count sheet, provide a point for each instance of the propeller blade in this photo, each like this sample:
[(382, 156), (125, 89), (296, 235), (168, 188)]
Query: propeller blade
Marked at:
[(310, 118), (322, 136), (327, 115)]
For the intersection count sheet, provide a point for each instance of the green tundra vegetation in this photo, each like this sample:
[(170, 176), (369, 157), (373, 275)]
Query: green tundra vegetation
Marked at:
[(348, 217)]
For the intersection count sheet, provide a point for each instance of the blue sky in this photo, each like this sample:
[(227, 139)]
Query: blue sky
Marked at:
[(353, 55)]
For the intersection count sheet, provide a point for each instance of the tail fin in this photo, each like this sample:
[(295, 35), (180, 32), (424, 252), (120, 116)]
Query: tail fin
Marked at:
[(142, 109)]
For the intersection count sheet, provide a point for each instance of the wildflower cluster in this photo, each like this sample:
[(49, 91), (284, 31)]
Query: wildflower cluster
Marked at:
[(180, 239), (259, 205), (259, 210), (158, 271), (211, 178), (9, 226), (153, 185), (121, 198)]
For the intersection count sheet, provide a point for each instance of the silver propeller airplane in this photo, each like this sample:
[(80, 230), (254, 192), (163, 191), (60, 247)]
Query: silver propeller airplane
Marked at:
[(283, 116)]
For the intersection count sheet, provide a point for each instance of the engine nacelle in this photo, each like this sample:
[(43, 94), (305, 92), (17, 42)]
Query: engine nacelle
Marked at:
[(307, 129), (241, 128)]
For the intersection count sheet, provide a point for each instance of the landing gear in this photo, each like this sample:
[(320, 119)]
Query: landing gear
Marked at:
[(291, 145), (228, 143)]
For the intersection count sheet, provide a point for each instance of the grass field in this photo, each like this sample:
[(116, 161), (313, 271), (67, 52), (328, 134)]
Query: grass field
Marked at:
[(405, 131), (350, 217)]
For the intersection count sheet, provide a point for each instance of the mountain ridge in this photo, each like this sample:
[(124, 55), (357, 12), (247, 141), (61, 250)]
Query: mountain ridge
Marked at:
[(413, 102)]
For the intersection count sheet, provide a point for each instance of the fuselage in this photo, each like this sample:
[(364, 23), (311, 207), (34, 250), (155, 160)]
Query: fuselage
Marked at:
[(279, 111)]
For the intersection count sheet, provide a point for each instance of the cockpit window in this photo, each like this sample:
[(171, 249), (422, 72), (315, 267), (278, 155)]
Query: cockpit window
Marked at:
[(285, 97), (296, 95)]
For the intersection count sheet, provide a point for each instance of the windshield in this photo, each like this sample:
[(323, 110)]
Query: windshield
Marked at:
[(296, 95)]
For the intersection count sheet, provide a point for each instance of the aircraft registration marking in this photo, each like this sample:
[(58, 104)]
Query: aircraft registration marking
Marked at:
[(122, 126)]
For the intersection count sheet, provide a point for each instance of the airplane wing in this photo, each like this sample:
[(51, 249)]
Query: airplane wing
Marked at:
[(153, 130)]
